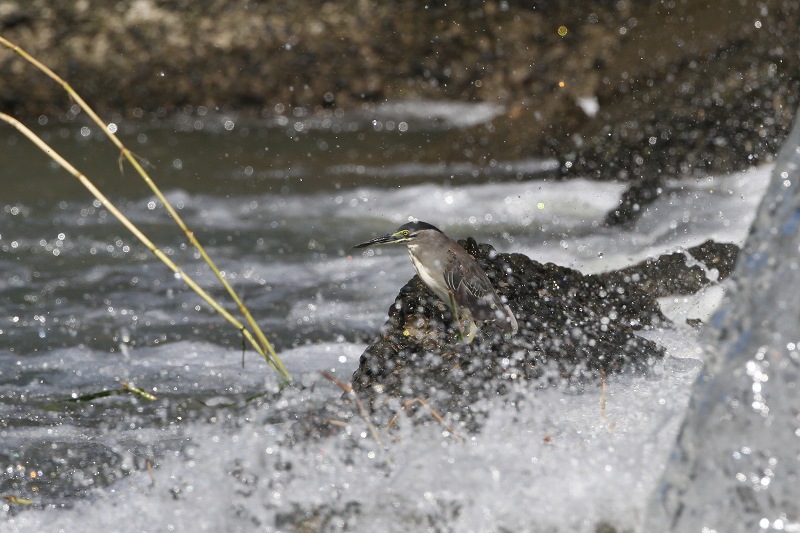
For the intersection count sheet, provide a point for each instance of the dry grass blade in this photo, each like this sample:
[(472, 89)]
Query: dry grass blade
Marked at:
[(603, 394), (263, 346), (149, 466), (17, 500), (130, 387), (434, 413), (129, 225), (359, 405)]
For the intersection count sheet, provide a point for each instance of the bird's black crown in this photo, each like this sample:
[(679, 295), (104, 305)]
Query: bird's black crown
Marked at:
[(418, 226)]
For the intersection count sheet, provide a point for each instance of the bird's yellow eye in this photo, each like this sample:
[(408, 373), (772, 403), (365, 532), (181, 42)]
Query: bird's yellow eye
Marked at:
[(405, 233)]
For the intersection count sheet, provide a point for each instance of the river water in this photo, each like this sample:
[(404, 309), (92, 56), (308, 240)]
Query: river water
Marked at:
[(279, 202)]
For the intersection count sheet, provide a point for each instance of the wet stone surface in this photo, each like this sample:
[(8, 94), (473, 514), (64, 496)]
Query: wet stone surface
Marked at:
[(573, 328)]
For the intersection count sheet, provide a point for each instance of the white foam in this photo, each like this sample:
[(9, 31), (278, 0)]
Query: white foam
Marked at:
[(552, 462)]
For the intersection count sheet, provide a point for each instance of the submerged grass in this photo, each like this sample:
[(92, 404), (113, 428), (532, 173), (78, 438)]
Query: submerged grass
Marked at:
[(252, 332)]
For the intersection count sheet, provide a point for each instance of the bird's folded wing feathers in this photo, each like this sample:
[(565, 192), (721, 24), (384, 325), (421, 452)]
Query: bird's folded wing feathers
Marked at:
[(470, 286), (458, 276)]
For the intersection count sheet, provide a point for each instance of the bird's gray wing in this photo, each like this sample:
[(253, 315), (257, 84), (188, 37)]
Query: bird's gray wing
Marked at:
[(473, 292), (470, 286)]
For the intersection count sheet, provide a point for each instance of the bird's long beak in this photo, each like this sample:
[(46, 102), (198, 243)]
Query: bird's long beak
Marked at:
[(386, 239)]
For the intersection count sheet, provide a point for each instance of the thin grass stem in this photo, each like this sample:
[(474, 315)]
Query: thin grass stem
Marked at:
[(264, 347), (55, 156)]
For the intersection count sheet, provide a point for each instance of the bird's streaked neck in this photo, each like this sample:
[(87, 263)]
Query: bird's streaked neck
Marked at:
[(427, 275)]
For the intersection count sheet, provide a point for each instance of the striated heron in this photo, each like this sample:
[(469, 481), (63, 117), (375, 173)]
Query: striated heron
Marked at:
[(452, 274)]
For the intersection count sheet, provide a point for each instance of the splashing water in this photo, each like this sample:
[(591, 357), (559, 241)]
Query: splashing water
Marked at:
[(200, 458), (736, 466)]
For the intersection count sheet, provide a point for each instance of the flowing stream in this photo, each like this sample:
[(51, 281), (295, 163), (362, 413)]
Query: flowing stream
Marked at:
[(279, 203)]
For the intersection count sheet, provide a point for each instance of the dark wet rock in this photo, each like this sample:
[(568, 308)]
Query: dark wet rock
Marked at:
[(714, 91), (172, 53), (680, 272), (605, 527), (319, 518), (573, 327)]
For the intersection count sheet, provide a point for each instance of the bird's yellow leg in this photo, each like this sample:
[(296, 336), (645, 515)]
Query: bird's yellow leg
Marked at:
[(467, 337), (456, 315)]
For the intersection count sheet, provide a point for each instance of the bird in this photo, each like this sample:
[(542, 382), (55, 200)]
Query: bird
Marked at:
[(453, 275)]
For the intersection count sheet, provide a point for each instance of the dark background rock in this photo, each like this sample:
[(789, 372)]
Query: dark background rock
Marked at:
[(683, 87)]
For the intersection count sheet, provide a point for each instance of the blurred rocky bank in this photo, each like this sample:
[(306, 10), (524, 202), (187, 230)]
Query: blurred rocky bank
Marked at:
[(636, 90)]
